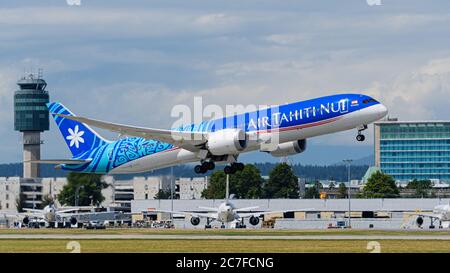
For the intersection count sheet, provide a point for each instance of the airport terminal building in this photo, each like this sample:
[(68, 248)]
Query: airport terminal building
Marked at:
[(409, 150)]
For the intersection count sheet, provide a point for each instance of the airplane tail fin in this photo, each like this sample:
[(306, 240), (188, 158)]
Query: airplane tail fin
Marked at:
[(79, 137)]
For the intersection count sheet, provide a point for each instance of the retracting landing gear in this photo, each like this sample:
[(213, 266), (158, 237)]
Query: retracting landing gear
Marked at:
[(204, 167), (360, 136), (233, 168)]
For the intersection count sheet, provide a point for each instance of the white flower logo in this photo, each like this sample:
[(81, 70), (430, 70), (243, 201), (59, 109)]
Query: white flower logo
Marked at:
[(75, 137)]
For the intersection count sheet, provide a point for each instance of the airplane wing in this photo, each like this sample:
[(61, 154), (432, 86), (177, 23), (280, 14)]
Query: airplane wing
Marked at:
[(187, 213), (66, 214), (33, 210), (63, 211), (186, 140), (430, 215), (208, 209), (61, 161), (259, 213)]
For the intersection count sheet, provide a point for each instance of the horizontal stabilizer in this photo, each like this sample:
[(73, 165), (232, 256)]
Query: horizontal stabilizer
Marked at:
[(61, 161), (247, 209)]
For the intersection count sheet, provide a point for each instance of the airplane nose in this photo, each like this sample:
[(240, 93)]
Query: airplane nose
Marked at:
[(382, 110)]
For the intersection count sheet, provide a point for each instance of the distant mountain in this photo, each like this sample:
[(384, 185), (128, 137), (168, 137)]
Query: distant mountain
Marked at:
[(316, 154), (367, 160), (363, 161)]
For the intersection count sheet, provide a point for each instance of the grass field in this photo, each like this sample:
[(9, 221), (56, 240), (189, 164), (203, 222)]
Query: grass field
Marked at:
[(219, 245), (97, 245)]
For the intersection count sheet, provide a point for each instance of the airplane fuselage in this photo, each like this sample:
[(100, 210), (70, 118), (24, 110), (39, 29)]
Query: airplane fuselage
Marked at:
[(291, 122), (226, 213)]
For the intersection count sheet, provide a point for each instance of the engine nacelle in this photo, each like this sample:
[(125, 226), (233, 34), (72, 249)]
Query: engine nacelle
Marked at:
[(26, 220), (289, 148), (195, 221), (73, 221), (227, 142), (419, 221), (253, 220)]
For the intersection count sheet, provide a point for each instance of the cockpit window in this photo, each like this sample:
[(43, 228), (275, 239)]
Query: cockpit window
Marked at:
[(369, 100)]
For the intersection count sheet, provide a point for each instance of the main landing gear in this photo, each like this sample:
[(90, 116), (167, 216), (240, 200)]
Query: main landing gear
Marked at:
[(233, 168), (204, 167), (360, 136), (209, 166)]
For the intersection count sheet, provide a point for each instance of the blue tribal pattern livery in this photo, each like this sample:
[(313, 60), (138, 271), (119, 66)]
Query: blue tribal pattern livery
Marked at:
[(78, 136), (104, 155)]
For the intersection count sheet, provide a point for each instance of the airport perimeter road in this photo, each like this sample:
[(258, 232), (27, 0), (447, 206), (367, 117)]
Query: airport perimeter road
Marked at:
[(223, 237)]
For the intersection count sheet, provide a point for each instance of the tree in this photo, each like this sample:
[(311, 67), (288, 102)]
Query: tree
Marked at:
[(247, 183), (314, 191), (282, 183), (216, 186), (163, 194), (243, 184), (47, 200), (380, 185), (342, 191), (331, 185), (85, 187), (422, 187), (20, 202)]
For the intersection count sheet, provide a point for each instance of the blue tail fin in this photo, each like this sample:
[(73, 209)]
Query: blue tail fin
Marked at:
[(79, 137)]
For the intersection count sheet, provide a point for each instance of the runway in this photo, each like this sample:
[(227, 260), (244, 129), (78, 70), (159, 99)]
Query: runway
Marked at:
[(221, 237)]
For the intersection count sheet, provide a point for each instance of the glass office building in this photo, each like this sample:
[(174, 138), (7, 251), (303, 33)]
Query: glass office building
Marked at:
[(410, 150)]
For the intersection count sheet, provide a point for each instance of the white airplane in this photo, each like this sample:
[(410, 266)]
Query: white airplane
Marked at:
[(50, 215), (280, 130), (228, 214), (440, 213)]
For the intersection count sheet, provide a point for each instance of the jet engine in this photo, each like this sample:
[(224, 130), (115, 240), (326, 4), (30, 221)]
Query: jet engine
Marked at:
[(195, 221), (227, 141), (419, 221), (26, 220), (289, 148), (253, 220), (73, 221)]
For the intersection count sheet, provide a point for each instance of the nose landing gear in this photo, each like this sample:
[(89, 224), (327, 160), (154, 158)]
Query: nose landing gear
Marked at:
[(360, 136)]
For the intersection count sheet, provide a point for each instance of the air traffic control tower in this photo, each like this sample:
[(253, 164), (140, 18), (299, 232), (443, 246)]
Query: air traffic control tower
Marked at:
[(31, 118)]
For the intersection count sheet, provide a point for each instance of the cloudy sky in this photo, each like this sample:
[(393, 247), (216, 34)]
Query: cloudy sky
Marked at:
[(131, 61)]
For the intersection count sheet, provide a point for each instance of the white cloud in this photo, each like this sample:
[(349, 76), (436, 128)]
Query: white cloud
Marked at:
[(294, 39), (209, 19), (421, 93)]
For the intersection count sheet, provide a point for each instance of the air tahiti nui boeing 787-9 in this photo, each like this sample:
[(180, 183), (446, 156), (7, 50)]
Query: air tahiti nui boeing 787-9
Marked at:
[(209, 142)]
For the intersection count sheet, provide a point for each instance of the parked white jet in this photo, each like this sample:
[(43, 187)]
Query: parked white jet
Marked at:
[(50, 215), (440, 213), (228, 214)]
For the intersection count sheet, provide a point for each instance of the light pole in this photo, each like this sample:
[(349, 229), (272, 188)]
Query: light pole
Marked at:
[(171, 193), (348, 162), (77, 195)]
